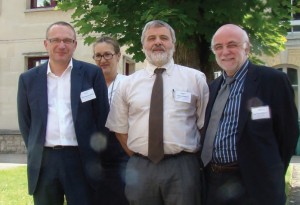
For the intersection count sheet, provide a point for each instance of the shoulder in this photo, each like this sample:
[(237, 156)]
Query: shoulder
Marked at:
[(267, 72), (122, 77), (190, 72), (35, 71), (85, 65)]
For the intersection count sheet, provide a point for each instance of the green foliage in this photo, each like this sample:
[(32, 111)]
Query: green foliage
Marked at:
[(267, 22)]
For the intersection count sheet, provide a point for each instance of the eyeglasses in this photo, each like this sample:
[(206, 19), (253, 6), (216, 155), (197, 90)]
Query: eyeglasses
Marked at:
[(106, 56), (230, 46), (57, 41)]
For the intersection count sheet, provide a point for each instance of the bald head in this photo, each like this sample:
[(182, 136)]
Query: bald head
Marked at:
[(231, 47), (231, 28)]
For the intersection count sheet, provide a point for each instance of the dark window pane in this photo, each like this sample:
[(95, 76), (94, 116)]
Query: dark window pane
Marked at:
[(292, 75)]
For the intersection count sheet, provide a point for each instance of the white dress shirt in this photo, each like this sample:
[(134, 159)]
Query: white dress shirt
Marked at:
[(60, 127), (185, 99)]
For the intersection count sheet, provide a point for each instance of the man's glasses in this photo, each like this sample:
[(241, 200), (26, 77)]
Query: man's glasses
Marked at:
[(106, 56), (57, 41), (230, 46)]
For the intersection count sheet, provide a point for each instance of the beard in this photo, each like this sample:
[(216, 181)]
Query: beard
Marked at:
[(159, 58)]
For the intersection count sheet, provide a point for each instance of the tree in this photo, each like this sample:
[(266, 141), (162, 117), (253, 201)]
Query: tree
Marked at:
[(194, 22)]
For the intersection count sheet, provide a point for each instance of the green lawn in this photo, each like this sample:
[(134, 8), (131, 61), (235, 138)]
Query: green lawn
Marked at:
[(13, 186)]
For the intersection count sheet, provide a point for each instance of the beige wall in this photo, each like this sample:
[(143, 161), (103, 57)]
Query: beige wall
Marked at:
[(22, 34)]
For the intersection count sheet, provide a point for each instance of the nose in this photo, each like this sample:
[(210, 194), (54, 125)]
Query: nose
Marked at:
[(157, 41), (225, 50), (61, 44), (102, 59)]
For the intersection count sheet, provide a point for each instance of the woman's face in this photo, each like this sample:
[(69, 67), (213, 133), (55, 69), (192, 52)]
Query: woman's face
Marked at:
[(106, 58)]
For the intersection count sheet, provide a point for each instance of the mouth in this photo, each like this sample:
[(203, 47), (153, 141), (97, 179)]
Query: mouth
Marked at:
[(158, 49), (103, 65)]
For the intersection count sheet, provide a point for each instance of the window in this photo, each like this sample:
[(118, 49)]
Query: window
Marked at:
[(292, 74), (43, 3), (35, 61), (295, 23), (296, 16)]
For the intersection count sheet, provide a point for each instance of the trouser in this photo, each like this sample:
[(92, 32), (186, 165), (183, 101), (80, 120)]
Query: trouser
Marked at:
[(173, 181)]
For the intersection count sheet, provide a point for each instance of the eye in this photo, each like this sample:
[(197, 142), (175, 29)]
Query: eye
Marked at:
[(217, 47), (151, 38), (54, 40), (232, 45), (164, 38), (68, 40), (107, 55)]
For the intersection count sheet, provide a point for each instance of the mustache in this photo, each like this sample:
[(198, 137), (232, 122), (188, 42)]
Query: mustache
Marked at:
[(158, 47)]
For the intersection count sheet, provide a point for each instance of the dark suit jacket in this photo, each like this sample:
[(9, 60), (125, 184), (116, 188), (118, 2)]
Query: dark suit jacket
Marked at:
[(88, 117), (264, 146)]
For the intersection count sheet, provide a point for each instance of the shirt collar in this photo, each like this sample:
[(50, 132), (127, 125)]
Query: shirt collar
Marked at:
[(169, 67), (69, 67)]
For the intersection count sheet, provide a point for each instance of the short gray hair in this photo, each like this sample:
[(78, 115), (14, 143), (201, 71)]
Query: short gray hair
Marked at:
[(158, 23)]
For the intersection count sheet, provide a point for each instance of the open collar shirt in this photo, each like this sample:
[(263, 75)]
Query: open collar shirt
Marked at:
[(60, 127), (185, 99), (226, 136)]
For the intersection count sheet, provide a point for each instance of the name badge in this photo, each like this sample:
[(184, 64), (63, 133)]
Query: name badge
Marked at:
[(87, 95), (262, 112), (182, 96)]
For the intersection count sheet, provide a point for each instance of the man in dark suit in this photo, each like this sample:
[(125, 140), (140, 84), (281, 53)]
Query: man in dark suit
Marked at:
[(257, 133), (62, 109)]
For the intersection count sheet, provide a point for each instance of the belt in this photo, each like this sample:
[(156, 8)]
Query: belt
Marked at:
[(166, 156), (223, 168), (57, 147)]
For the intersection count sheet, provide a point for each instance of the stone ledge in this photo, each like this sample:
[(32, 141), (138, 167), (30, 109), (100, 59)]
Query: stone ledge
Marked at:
[(11, 142)]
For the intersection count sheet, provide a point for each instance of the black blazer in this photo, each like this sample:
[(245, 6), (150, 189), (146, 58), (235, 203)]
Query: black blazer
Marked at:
[(264, 146), (88, 117)]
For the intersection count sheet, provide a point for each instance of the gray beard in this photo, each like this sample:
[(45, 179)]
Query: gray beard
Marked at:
[(159, 59)]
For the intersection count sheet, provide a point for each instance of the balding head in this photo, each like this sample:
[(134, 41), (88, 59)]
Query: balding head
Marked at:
[(231, 47)]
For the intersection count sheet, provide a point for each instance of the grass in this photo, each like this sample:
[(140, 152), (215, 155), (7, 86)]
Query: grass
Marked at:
[(13, 186), (288, 178)]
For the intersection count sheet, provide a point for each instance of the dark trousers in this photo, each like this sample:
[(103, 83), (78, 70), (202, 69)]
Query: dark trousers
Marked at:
[(62, 176), (112, 185), (111, 189), (225, 188)]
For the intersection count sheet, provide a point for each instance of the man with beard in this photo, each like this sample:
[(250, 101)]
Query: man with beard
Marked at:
[(168, 172)]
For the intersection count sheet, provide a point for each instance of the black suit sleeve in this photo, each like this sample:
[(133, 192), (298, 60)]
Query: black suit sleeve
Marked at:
[(285, 119), (24, 116), (102, 106)]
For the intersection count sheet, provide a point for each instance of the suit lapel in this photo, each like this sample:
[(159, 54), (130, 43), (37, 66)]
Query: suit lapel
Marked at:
[(76, 84), (250, 89)]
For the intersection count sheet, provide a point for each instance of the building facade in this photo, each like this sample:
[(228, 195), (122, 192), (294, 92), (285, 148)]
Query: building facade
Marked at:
[(23, 29)]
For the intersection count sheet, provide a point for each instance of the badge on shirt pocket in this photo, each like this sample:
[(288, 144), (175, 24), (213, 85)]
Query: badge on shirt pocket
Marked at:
[(182, 96)]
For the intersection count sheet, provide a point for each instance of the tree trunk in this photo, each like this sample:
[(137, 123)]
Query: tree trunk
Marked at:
[(198, 57)]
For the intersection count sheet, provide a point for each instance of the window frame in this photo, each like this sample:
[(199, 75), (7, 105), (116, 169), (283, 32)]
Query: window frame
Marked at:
[(33, 4), (32, 61)]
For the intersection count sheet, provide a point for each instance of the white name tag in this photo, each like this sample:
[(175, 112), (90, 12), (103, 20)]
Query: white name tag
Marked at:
[(182, 96), (87, 95), (262, 112)]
